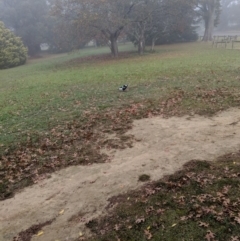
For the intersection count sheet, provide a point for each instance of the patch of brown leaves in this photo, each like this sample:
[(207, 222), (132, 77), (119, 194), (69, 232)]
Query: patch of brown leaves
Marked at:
[(26, 235)]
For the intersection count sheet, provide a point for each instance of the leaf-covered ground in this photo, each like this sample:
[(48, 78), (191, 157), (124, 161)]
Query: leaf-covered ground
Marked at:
[(60, 112), (81, 193), (201, 202), (79, 142), (57, 113)]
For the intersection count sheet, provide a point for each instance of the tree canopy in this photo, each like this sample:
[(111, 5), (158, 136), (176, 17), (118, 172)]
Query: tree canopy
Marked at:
[(162, 22), (70, 24), (109, 17), (138, 18), (12, 50)]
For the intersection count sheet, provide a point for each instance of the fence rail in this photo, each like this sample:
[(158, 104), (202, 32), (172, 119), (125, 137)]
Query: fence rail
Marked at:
[(224, 40)]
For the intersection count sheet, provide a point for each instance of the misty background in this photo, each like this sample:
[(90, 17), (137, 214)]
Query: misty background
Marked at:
[(64, 25)]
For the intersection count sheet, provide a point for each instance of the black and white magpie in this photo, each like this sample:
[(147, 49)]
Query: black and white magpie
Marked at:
[(123, 88)]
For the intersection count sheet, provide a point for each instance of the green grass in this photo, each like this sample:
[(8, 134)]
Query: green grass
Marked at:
[(55, 111), (144, 178), (49, 91)]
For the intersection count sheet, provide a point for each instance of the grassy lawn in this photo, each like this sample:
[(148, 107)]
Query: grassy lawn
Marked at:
[(43, 102), (55, 111), (44, 92), (49, 91)]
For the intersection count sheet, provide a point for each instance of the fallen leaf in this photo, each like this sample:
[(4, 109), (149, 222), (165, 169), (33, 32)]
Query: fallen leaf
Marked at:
[(237, 219), (140, 220), (210, 236), (116, 227), (148, 234), (174, 225), (235, 238), (61, 212), (202, 224), (160, 211), (40, 233), (183, 218)]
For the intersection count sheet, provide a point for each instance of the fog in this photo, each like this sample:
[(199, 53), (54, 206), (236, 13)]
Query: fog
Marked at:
[(67, 25)]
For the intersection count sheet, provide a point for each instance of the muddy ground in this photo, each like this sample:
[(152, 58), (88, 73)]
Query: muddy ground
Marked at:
[(75, 195)]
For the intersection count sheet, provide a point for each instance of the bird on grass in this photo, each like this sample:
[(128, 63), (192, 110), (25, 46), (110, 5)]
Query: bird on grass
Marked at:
[(123, 88)]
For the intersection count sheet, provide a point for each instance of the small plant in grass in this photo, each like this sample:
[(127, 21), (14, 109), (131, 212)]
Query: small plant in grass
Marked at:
[(144, 178)]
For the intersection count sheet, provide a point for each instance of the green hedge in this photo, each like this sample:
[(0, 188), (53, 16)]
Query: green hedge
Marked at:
[(12, 51)]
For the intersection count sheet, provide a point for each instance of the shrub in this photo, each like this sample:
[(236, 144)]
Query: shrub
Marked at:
[(12, 51)]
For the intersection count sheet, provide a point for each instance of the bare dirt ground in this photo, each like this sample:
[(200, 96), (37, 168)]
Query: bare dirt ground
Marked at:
[(78, 194)]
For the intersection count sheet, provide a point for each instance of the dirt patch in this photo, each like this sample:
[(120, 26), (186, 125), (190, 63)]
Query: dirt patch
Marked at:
[(164, 146)]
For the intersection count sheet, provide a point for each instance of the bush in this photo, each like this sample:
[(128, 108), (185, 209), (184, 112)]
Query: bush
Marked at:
[(12, 51)]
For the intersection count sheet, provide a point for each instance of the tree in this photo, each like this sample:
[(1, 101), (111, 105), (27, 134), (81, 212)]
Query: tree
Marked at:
[(163, 21), (27, 18), (176, 21), (209, 11), (12, 50), (139, 23), (109, 17), (66, 31)]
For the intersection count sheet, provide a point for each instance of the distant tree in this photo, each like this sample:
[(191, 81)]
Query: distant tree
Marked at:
[(140, 22), (12, 50), (27, 18), (162, 21), (67, 31), (109, 17), (176, 21), (209, 12)]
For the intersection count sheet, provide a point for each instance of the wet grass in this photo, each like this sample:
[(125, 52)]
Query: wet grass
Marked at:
[(47, 92), (56, 111)]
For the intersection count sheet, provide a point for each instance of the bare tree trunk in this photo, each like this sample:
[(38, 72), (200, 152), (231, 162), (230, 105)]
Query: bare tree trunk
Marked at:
[(140, 47), (209, 23), (112, 41), (114, 46), (141, 42), (153, 44)]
